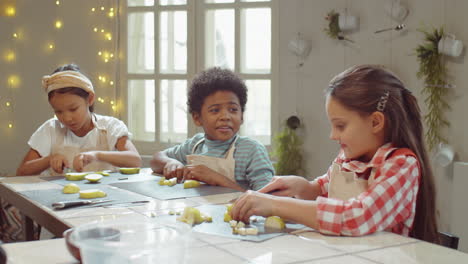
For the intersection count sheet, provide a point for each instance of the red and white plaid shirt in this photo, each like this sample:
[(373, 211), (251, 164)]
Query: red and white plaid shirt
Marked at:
[(388, 204)]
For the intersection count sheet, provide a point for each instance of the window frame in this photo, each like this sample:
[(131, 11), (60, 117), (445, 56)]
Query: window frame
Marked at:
[(195, 60)]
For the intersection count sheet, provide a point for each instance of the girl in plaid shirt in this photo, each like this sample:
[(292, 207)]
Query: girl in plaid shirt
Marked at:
[(380, 180)]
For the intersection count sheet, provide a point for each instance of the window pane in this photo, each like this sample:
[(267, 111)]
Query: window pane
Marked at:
[(257, 117), (256, 40), (173, 110), (219, 38), (172, 2), (173, 42), (218, 1), (140, 55), (141, 119), (140, 2)]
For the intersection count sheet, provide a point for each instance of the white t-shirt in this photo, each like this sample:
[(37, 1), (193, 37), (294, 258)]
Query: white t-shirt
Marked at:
[(44, 137)]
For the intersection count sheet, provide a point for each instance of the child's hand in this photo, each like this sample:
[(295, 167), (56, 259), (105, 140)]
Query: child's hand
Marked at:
[(252, 203), (174, 169), (204, 174), (83, 159), (285, 186), (58, 162)]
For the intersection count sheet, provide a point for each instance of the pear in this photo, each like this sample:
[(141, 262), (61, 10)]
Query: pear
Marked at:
[(75, 176), (129, 170), (275, 222), (191, 184), (92, 193), (71, 188), (93, 177), (193, 216)]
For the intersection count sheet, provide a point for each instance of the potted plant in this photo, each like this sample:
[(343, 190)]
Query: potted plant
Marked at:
[(434, 73), (288, 149), (333, 30)]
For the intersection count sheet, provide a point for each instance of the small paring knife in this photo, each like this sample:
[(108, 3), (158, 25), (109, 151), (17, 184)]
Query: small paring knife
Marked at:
[(68, 204)]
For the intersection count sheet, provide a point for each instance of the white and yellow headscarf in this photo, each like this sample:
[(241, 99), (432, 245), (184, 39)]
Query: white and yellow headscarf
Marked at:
[(64, 79)]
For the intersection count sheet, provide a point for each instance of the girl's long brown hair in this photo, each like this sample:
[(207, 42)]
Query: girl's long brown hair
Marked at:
[(360, 88)]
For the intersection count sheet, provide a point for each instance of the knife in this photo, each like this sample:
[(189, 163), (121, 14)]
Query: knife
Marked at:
[(68, 204)]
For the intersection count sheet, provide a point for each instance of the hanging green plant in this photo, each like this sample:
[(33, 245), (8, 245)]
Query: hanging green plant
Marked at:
[(434, 72), (333, 30), (288, 149)]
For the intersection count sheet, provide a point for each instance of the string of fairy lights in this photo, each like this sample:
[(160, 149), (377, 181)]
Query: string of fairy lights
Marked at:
[(107, 12)]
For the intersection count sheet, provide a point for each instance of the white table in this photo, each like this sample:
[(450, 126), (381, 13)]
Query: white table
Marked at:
[(304, 246)]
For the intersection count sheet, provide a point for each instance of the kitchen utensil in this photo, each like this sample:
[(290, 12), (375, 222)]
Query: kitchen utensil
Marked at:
[(68, 204)]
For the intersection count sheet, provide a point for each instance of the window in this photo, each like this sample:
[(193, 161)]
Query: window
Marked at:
[(169, 41)]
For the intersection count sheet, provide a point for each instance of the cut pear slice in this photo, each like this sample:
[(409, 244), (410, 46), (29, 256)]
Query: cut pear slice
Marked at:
[(75, 176), (92, 193), (275, 222), (129, 170), (191, 184), (71, 188), (93, 177)]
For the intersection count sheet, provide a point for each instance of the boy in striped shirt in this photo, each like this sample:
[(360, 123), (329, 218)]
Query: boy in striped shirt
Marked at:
[(219, 156)]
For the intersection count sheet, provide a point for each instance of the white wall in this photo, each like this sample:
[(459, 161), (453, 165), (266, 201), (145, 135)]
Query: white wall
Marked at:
[(302, 88)]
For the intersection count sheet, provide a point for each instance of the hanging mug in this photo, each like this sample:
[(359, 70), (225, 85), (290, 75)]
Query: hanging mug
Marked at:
[(299, 46), (395, 9), (444, 154), (347, 22), (450, 46)]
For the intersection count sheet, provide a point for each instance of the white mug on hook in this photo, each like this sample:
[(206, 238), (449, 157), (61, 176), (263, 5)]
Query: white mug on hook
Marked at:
[(450, 46), (347, 22), (444, 154), (396, 10)]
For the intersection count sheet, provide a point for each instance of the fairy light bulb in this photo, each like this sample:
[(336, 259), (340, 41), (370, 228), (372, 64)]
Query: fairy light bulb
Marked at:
[(57, 2), (93, 9), (10, 125), (99, 53), (10, 56), (111, 83), (58, 24), (15, 35), (95, 29), (112, 102), (51, 46), (10, 11), (102, 30), (13, 81), (102, 8), (110, 14), (108, 36), (114, 108), (8, 104)]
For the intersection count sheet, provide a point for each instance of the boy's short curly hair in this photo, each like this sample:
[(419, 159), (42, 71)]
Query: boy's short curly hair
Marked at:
[(211, 81)]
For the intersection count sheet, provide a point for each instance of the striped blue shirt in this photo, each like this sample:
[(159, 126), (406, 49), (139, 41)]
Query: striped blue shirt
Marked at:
[(253, 168)]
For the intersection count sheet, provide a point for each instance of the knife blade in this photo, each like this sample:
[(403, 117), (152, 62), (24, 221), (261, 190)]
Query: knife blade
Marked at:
[(68, 204)]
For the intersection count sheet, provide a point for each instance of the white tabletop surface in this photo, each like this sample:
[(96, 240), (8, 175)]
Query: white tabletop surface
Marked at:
[(306, 246)]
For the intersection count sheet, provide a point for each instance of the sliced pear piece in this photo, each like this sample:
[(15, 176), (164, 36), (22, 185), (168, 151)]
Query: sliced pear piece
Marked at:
[(75, 176), (93, 177), (193, 216), (227, 214), (92, 193), (275, 222), (129, 170), (71, 188), (191, 184)]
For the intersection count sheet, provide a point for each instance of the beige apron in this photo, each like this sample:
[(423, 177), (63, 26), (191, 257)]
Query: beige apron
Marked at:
[(224, 166), (70, 151), (345, 185)]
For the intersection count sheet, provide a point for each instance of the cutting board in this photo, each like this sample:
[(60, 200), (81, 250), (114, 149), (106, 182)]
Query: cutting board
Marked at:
[(221, 228), (118, 196), (152, 188)]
